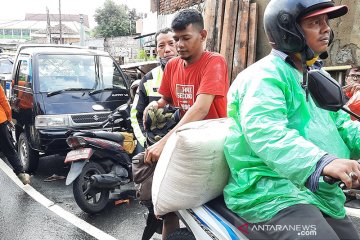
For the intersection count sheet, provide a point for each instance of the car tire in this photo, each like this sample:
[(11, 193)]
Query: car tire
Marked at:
[(87, 202), (29, 158), (181, 234)]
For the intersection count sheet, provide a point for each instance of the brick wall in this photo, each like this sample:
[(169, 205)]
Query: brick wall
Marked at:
[(171, 6)]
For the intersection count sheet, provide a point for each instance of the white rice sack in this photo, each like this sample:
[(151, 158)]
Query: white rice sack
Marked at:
[(192, 168)]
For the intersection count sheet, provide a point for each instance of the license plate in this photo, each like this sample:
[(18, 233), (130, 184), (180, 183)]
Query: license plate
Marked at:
[(78, 154)]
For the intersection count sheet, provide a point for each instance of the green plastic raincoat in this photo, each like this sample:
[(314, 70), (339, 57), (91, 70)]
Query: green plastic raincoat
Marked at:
[(276, 139)]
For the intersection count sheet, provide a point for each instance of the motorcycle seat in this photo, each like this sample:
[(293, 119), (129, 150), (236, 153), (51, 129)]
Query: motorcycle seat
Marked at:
[(112, 136), (219, 206)]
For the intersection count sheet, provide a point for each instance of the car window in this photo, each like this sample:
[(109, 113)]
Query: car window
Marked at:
[(5, 66), (58, 72), (24, 73), (111, 75)]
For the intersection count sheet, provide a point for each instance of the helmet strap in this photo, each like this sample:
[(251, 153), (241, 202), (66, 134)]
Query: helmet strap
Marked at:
[(310, 62), (305, 73)]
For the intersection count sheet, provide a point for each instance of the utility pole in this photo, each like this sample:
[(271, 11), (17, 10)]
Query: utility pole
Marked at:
[(81, 30), (130, 27), (48, 26), (61, 40)]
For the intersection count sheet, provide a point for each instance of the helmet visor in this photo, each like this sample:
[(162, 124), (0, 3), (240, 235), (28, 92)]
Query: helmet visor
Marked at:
[(332, 12)]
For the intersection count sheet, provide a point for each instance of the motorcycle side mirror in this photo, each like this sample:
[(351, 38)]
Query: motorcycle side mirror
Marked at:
[(123, 110), (327, 92)]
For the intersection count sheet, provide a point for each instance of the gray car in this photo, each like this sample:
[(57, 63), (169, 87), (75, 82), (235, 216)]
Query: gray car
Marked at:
[(6, 65)]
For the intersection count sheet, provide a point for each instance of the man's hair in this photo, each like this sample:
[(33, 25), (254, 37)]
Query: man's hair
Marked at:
[(187, 17), (356, 68), (163, 31)]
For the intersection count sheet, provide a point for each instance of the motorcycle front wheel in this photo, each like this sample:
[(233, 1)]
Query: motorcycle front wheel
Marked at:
[(90, 200)]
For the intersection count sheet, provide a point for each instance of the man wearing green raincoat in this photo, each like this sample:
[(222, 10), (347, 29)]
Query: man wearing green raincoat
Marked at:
[(280, 143)]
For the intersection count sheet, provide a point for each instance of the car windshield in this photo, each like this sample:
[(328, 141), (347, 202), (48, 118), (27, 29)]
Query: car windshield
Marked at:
[(57, 72), (111, 76), (5, 66)]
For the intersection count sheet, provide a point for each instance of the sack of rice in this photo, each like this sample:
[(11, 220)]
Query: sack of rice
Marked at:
[(192, 168)]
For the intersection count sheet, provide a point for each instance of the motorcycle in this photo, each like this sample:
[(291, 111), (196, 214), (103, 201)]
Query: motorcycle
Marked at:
[(213, 220), (100, 165)]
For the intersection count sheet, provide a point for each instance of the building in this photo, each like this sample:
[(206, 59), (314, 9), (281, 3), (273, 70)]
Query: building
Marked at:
[(34, 28)]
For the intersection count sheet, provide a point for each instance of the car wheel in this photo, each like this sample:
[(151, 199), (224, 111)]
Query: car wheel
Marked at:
[(90, 200), (29, 158), (181, 234)]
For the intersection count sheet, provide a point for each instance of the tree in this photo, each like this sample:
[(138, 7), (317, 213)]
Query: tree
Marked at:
[(114, 20), (133, 16)]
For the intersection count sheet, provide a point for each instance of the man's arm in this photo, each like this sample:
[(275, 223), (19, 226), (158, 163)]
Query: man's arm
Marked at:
[(196, 112), (141, 100)]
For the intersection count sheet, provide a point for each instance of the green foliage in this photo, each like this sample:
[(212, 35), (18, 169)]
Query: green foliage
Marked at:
[(115, 20), (142, 55)]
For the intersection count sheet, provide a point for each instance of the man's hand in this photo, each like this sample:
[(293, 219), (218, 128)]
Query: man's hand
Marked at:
[(152, 153), (153, 104), (351, 88), (348, 171)]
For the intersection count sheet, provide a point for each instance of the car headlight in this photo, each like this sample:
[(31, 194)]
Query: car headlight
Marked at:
[(51, 121)]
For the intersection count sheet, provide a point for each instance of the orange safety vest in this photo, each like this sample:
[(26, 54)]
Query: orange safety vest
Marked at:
[(5, 110)]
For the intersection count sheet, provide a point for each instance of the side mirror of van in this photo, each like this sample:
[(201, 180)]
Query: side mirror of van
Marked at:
[(327, 92)]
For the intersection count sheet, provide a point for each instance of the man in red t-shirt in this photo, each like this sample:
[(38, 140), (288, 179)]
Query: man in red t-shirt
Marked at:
[(196, 82)]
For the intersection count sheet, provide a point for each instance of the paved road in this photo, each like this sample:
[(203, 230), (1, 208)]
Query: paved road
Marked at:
[(124, 221), (23, 218), (56, 215)]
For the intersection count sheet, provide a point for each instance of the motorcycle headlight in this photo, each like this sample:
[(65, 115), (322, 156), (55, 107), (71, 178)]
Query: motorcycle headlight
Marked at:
[(51, 121)]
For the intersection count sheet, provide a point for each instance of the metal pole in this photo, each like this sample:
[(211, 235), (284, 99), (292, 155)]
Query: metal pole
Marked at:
[(48, 34), (61, 40), (81, 30)]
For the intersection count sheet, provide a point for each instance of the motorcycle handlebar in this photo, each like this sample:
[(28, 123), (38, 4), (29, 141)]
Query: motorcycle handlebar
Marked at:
[(331, 181), (116, 114)]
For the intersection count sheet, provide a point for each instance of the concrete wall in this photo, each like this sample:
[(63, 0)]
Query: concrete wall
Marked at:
[(346, 46), (126, 47), (119, 47)]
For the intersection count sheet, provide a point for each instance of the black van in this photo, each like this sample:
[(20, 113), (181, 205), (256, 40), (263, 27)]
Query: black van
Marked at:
[(58, 87)]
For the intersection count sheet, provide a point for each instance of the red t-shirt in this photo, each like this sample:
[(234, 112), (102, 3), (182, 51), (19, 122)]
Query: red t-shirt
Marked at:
[(207, 76)]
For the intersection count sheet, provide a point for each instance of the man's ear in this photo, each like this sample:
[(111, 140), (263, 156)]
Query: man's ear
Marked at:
[(203, 34)]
